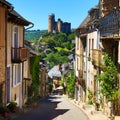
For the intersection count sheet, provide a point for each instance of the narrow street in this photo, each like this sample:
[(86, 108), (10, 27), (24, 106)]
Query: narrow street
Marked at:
[(54, 107)]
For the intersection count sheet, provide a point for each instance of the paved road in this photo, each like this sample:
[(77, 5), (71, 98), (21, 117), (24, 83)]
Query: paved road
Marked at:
[(55, 107)]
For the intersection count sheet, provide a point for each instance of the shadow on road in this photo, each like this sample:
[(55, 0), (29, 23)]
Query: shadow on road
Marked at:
[(47, 109)]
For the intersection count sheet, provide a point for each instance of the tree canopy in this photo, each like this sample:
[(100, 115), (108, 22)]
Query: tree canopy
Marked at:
[(60, 45), (55, 59)]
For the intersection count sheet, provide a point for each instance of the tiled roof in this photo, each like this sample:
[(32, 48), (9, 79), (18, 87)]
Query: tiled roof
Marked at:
[(54, 72), (32, 52), (96, 7), (84, 23), (16, 17), (4, 2)]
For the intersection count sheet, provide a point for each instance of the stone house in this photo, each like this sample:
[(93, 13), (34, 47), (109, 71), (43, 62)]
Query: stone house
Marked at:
[(91, 50), (80, 60), (17, 54), (13, 53), (43, 80), (102, 34), (87, 38), (110, 36)]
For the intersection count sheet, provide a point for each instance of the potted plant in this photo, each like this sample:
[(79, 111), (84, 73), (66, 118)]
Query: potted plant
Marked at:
[(12, 106), (90, 97), (4, 110)]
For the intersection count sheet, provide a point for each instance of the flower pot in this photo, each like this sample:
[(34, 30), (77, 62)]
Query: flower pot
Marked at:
[(4, 114)]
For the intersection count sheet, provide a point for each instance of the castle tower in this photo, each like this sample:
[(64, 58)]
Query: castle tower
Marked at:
[(59, 25), (51, 22)]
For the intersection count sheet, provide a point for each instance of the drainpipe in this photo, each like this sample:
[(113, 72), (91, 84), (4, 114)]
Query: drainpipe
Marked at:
[(119, 51), (5, 102), (32, 25), (98, 70), (6, 15), (119, 35)]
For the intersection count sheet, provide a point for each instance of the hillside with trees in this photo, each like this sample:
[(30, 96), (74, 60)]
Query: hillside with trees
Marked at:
[(33, 34), (56, 47)]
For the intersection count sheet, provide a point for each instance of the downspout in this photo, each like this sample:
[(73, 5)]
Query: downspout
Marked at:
[(6, 20), (8, 9), (5, 57), (87, 55), (118, 21)]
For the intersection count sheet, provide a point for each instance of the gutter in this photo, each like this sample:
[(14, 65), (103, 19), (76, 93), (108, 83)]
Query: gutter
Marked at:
[(32, 25)]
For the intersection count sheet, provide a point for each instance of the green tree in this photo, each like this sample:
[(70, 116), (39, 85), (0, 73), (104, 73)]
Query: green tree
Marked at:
[(71, 36), (42, 55), (51, 43), (62, 51)]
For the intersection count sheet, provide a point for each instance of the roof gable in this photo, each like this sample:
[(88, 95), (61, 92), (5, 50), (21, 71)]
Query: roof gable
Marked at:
[(15, 17)]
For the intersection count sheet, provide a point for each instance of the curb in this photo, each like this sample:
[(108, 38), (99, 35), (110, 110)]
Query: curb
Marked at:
[(90, 114), (72, 101)]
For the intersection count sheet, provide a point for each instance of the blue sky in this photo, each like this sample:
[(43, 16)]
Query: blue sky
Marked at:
[(37, 11)]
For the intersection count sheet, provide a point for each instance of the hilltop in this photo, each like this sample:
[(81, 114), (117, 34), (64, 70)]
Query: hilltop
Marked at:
[(33, 34)]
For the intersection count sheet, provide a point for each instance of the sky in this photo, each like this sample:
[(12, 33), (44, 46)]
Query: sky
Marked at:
[(37, 11)]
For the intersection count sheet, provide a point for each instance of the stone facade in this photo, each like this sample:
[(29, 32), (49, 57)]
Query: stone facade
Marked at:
[(3, 10), (13, 54), (100, 34), (107, 6)]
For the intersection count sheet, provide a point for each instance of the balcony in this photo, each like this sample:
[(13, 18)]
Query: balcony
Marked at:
[(97, 57), (19, 54)]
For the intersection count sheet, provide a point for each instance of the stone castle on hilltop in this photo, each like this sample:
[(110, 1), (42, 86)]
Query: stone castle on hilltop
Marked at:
[(58, 26)]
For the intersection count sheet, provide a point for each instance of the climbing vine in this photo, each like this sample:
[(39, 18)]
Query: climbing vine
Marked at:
[(70, 81), (34, 70), (108, 78)]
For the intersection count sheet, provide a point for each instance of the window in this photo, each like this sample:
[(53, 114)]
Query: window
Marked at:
[(15, 37), (77, 63), (77, 43), (89, 46), (92, 43), (17, 74)]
